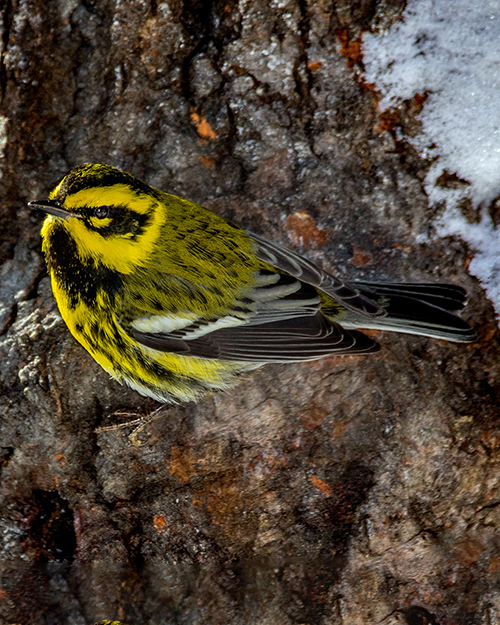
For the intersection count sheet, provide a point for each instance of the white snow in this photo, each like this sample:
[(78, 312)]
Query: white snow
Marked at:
[(451, 51)]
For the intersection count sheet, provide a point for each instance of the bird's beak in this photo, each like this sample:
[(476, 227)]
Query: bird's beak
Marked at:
[(52, 208)]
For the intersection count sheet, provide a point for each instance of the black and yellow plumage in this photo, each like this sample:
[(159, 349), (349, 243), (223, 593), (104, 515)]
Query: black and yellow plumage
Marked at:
[(178, 302)]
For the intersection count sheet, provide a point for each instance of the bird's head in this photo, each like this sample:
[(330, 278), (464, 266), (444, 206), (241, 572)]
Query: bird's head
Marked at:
[(111, 217)]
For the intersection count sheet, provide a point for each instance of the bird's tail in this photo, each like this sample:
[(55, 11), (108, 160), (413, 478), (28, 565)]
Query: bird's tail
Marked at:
[(425, 309)]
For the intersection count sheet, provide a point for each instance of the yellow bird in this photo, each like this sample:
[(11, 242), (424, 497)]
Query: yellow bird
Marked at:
[(178, 302)]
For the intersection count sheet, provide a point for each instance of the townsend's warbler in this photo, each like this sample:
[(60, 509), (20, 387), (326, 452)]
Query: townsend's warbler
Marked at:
[(178, 302)]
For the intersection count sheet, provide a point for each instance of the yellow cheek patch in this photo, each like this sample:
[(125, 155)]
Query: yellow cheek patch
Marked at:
[(119, 252)]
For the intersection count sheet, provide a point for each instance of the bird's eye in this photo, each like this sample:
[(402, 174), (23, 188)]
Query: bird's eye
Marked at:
[(101, 212)]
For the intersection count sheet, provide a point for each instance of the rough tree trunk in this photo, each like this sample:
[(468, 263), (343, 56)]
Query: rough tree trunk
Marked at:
[(353, 490)]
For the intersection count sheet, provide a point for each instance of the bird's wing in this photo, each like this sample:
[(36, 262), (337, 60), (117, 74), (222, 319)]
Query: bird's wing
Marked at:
[(278, 318), (302, 269), (301, 338)]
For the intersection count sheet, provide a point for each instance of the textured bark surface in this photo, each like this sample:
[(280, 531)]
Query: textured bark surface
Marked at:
[(352, 490)]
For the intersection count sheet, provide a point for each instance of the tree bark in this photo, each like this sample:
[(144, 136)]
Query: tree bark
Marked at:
[(351, 490)]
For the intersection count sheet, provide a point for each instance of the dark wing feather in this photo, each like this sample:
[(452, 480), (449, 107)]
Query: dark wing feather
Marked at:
[(303, 338), (304, 270)]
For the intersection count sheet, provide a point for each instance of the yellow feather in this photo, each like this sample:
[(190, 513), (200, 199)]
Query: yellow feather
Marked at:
[(115, 195)]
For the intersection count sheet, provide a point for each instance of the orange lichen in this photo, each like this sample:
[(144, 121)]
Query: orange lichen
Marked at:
[(349, 48), (208, 162), (302, 230), (202, 126), (387, 121), (325, 488), (159, 523), (314, 66)]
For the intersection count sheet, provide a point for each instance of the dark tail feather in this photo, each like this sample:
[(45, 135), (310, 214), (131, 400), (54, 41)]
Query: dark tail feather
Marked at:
[(416, 309), (446, 296)]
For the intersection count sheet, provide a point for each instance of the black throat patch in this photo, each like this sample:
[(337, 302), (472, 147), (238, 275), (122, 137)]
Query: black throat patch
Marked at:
[(81, 281)]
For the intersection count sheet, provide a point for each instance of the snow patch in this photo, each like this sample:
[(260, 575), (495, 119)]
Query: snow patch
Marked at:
[(452, 53)]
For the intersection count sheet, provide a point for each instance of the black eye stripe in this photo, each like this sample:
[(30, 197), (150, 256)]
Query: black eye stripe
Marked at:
[(101, 212), (122, 221)]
